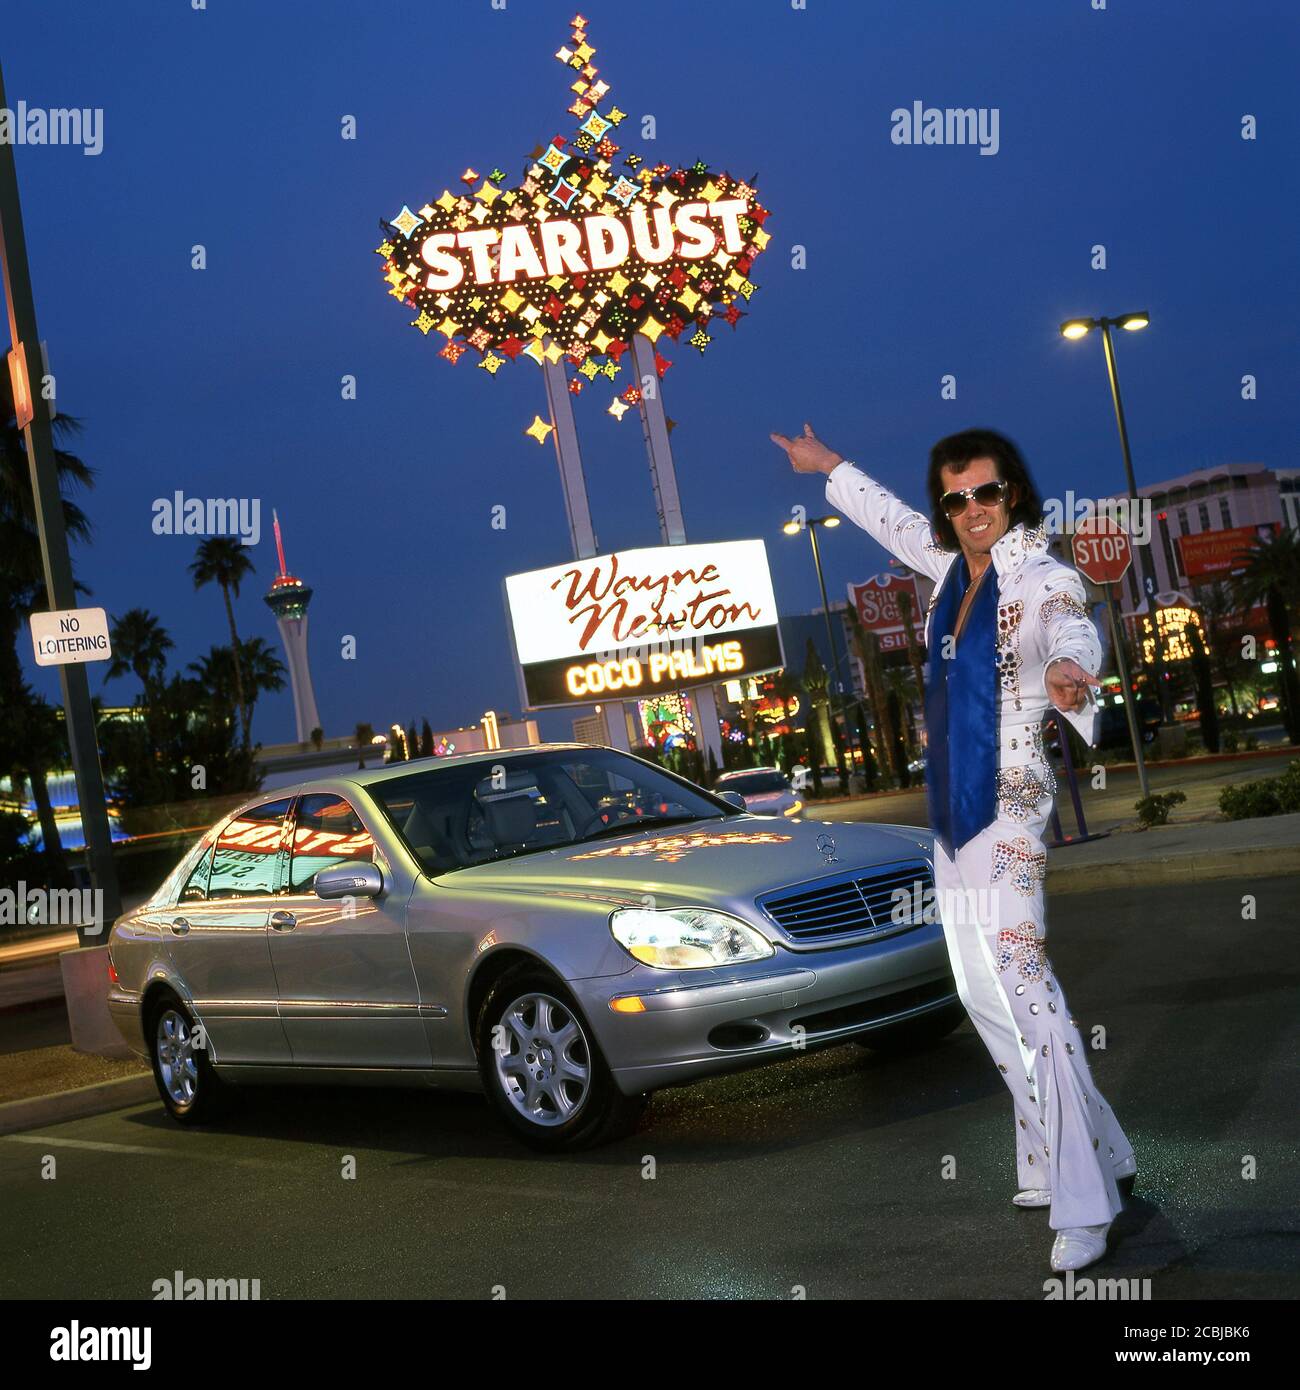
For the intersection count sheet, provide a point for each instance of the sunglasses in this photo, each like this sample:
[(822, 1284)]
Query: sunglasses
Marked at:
[(986, 494)]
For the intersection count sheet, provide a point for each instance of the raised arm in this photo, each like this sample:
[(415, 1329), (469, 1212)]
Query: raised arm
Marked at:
[(902, 530)]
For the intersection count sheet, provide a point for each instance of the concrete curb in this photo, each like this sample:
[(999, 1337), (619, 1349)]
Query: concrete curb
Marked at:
[(1264, 861), (35, 1111)]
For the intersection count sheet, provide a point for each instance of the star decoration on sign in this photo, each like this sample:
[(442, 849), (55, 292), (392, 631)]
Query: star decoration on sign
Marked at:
[(539, 430), (576, 314)]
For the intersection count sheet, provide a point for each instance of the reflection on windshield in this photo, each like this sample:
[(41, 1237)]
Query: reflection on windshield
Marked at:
[(668, 849), (482, 811)]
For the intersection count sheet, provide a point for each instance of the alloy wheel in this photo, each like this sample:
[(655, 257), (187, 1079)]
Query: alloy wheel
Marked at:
[(543, 1062), (174, 1043)]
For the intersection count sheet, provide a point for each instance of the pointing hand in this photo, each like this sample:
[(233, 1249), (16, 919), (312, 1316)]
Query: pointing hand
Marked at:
[(807, 454)]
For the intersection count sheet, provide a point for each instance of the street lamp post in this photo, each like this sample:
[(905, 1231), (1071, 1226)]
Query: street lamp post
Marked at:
[(792, 528), (1131, 323)]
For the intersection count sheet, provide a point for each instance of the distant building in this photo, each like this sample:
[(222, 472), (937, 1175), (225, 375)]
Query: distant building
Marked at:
[(288, 598), (1247, 499)]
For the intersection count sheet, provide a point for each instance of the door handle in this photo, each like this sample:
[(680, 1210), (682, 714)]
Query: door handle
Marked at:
[(283, 921), (180, 926)]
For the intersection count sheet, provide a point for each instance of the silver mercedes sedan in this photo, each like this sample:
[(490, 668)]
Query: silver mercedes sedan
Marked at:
[(567, 928)]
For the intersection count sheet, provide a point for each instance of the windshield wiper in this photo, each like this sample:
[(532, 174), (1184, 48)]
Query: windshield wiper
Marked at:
[(631, 827)]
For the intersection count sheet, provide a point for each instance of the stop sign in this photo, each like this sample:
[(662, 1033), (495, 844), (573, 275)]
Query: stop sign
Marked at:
[(1102, 550)]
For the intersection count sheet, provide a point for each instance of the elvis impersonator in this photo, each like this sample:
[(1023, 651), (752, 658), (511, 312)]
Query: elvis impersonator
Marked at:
[(1007, 632)]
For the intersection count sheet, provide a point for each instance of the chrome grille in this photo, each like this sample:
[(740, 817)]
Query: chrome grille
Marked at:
[(852, 904)]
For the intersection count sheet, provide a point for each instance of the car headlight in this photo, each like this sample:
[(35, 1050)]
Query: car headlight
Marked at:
[(687, 938)]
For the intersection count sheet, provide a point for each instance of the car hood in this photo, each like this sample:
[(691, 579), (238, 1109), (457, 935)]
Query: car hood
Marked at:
[(713, 863)]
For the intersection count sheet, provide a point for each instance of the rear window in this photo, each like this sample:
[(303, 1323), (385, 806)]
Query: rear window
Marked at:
[(754, 783)]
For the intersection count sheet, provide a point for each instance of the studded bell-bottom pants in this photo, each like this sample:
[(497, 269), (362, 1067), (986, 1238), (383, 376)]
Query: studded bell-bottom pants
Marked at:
[(990, 901)]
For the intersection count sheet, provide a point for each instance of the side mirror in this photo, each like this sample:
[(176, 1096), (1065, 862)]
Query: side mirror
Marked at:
[(349, 880), (733, 799)]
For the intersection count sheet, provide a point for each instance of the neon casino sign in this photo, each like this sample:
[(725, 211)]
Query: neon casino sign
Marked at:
[(592, 245)]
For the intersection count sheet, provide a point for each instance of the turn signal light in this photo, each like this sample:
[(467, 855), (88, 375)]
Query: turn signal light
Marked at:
[(628, 1004)]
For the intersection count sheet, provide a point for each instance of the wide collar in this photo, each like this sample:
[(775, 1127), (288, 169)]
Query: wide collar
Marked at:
[(1019, 544)]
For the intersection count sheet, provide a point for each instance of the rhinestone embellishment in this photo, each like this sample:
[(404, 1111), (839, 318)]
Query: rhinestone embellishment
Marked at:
[(1020, 791), (1022, 947), (1026, 866)]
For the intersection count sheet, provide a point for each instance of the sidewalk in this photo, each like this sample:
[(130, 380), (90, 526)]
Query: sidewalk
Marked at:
[(1262, 848)]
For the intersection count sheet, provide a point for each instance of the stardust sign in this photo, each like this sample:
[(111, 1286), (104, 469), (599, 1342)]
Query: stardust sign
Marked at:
[(592, 244), (636, 622), (558, 246)]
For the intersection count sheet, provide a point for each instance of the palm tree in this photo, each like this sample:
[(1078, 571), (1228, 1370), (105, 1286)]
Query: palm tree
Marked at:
[(31, 743), (365, 736), (22, 579), (1272, 577), (224, 560), (219, 674), (816, 684), (263, 670), (140, 645), (1219, 609)]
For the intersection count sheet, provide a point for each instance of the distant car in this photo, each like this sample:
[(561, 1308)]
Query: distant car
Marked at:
[(801, 779), (1112, 728), (565, 928), (766, 791)]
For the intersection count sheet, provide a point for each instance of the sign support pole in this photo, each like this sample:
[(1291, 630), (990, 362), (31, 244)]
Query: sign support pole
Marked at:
[(578, 509), (672, 525), (60, 591), (1130, 696)]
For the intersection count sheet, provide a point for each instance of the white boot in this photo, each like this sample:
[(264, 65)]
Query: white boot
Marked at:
[(1042, 1196), (1078, 1246)]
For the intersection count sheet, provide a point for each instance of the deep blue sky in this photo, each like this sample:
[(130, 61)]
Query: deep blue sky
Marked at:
[(222, 128)]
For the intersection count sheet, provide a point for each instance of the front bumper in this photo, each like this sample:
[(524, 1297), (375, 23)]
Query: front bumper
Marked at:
[(696, 1023)]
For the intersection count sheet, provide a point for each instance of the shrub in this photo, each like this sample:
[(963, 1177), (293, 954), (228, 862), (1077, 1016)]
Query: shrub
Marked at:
[(1231, 742), (1154, 809), (1271, 796)]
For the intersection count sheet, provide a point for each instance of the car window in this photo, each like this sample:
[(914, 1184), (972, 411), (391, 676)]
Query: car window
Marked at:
[(754, 783), (196, 885), (169, 890), (244, 857), (326, 831)]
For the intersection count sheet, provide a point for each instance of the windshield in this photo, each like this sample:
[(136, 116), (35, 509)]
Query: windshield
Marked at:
[(457, 816), (753, 783)]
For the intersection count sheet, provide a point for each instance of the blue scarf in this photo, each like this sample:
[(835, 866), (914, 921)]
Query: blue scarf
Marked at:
[(961, 712)]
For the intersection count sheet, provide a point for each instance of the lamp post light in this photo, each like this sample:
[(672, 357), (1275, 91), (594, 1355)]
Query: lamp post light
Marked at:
[(1075, 329), (792, 528)]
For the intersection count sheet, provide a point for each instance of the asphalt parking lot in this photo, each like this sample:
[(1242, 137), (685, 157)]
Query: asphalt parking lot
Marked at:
[(820, 1174)]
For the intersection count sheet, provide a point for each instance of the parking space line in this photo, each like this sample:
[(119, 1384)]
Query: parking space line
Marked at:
[(97, 1144), (106, 1146)]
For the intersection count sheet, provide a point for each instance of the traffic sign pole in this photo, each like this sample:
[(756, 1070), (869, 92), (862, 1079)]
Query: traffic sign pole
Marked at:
[(1130, 696), (79, 718), (1103, 552)]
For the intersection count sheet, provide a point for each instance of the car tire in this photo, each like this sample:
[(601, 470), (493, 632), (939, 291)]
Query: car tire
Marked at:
[(914, 1034), (532, 1090), (192, 1092)]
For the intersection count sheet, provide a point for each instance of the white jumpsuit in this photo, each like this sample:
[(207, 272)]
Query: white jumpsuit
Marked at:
[(990, 896)]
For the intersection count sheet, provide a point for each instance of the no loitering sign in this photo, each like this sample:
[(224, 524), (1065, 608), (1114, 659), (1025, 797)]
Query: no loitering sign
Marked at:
[(70, 635)]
